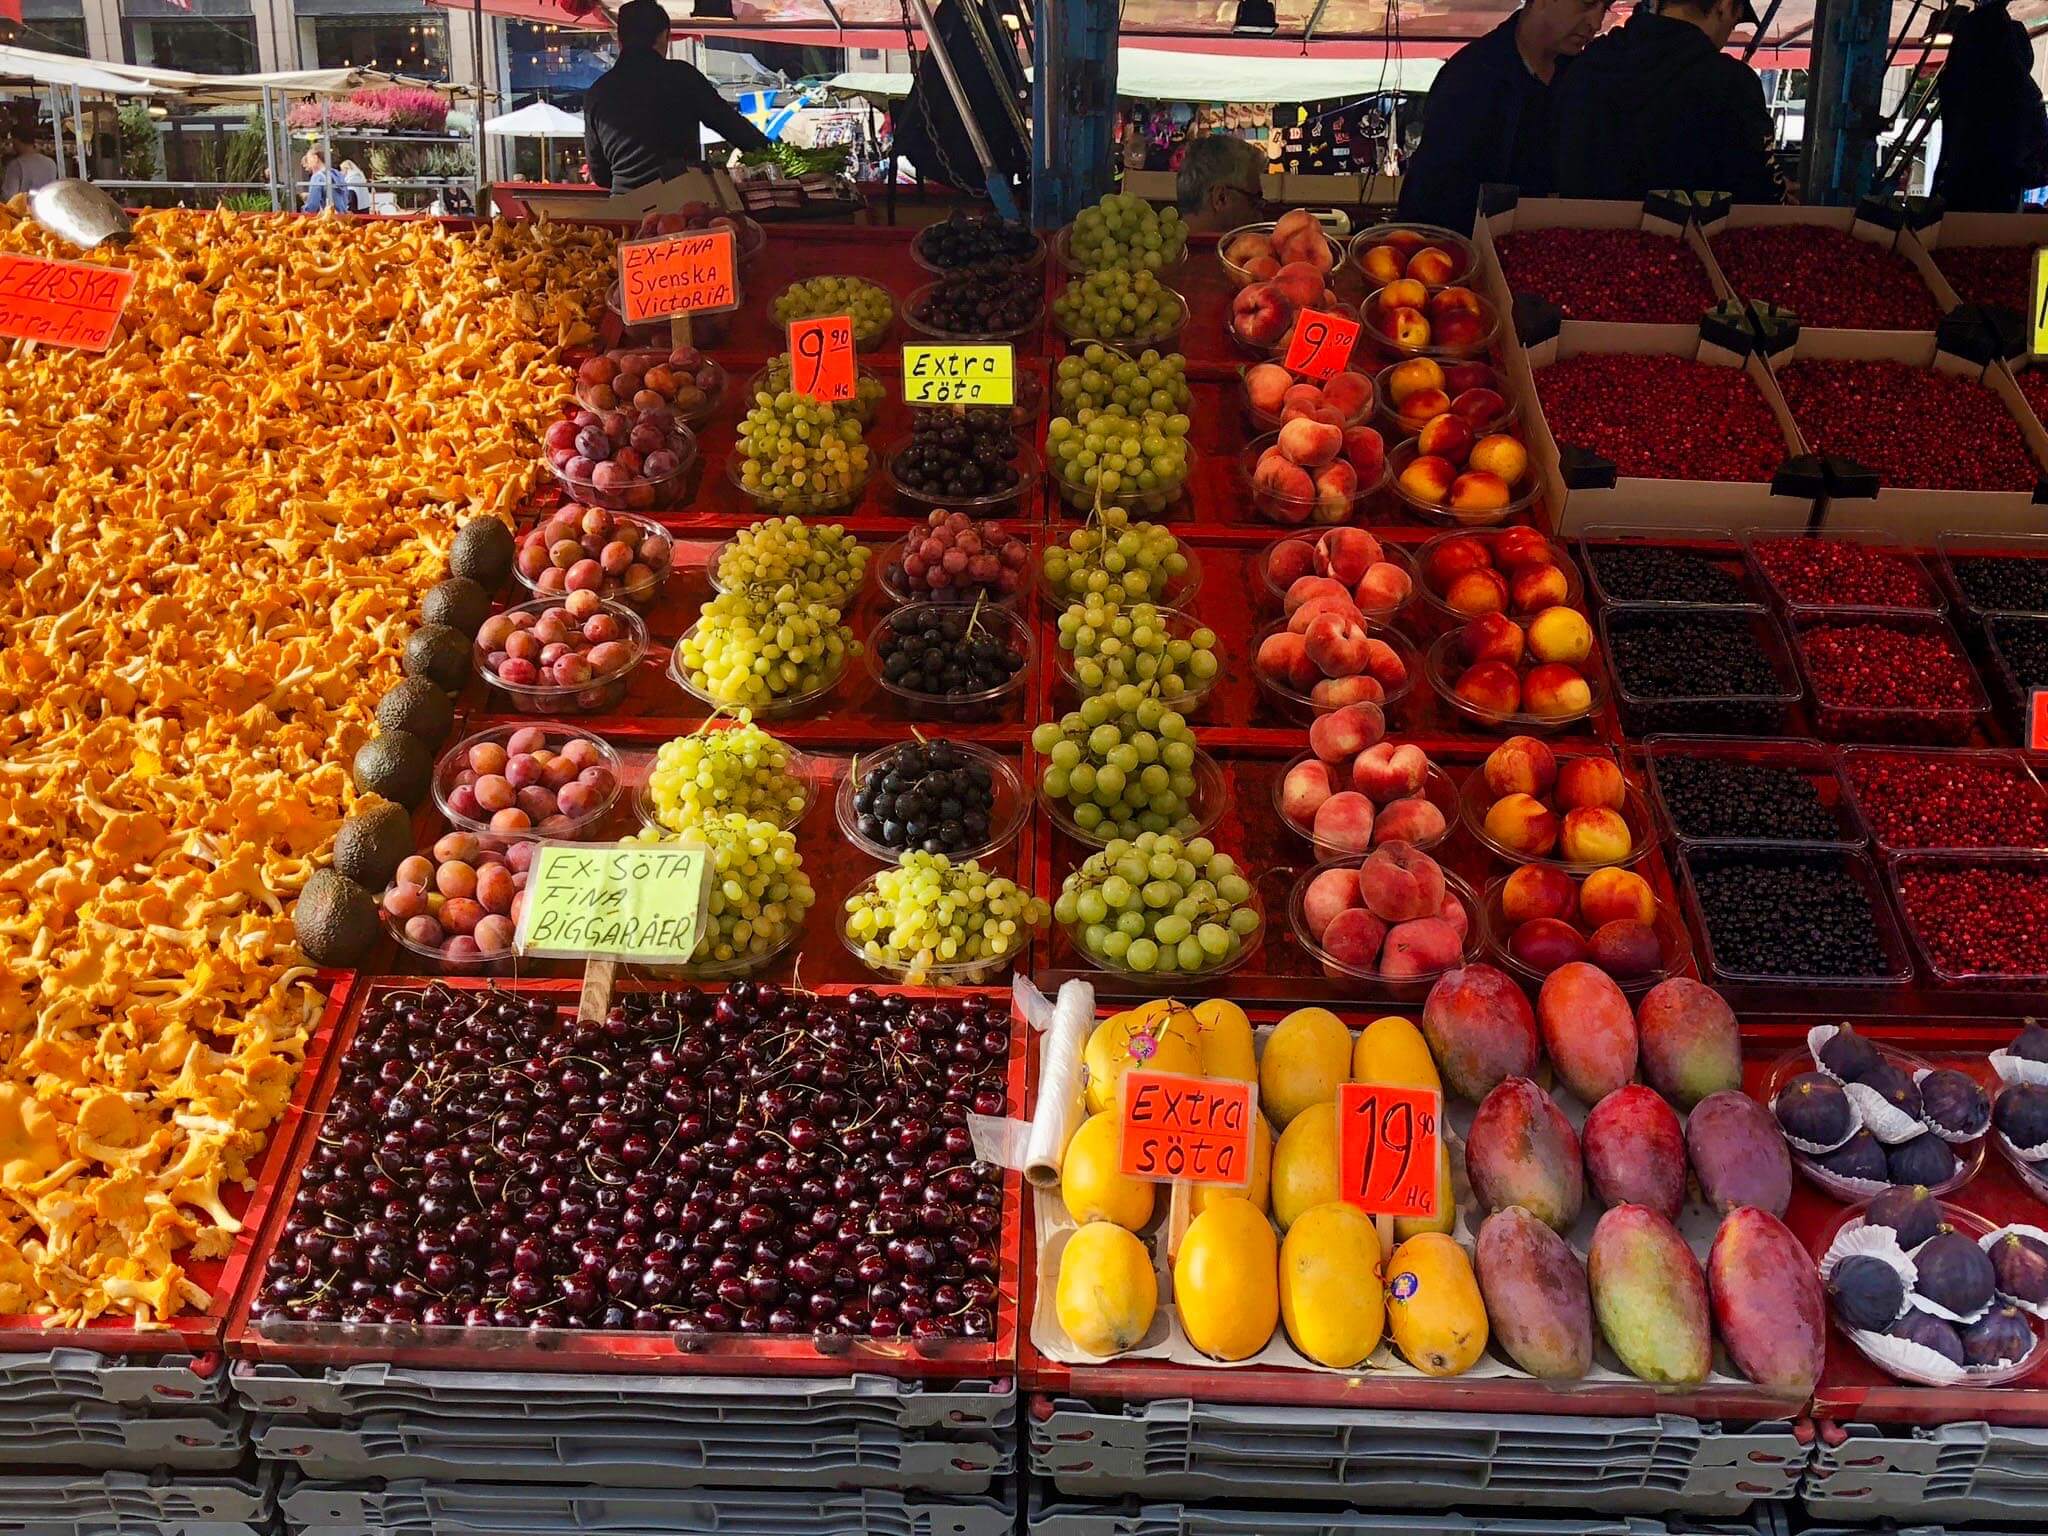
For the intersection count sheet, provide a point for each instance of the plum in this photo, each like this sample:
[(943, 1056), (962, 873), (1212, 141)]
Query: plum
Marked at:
[(1867, 1292)]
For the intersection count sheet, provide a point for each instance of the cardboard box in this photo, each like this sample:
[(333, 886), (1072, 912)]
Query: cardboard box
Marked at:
[(1859, 223), (714, 187), (1968, 229)]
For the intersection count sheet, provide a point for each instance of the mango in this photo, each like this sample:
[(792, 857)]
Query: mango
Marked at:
[(1480, 1028), (1330, 1295), (1306, 1057), (1090, 1185), (1434, 1309), (1201, 1195), (1588, 1029), (1691, 1046), (1446, 1217), (1737, 1153), (1224, 1036), (1107, 1290), (1767, 1302), (1635, 1151), (1158, 1037), (1305, 1164), (1650, 1297), (1226, 1280), (1391, 1050), (1522, 1151), (1536, 1297)]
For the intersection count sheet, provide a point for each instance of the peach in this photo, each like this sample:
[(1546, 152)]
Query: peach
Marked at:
[(1344, 733), (1537, 890), (1284, 658), (1305, 788), (1345, 554), (1459, 328), (1595, 835), (1478, 491), (1336, 692), (1560, 634), (1404, 327), (1366, 451), (1475, 592), (1556, 690), (1522, 824), (1423, 405), (1298, 237), (1428, 479), (1310, 443), (1266, 386), (1410, 820), (1457, 554), (1336, 645), (1400, 882), (1453, 912), (1481, 406), (1320, 604), (1299, 283), (1300, 400), (1447, 436), (1385, 664), (1260, 314), (1491, 686), (1353, 939), (1287, 491), (1418, 373), (1400, 294), (1350, 393), (1589, 781), (1426, 946), (1491, 637), (1611, 894), (1331, 892), (1344, 822), (1521, 764), (1520, 547), (1262, 269), (1383, 588), (1388, 770), (1305, 589), (1248, 246), (1432, 265), (1383, 263), (1501, 455), (1537, 586), (1336, 491), (1545, 943), (1626, 949), (1461, 376), (1289, 561), (1454, 301)]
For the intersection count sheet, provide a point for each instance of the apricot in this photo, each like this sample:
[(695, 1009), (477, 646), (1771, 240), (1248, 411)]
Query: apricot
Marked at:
[(1428, 479), (1459, 328), (1589, 781), (1613, 894), (1560, 634), (1522, 824), (1523, 764), (1595, 835), (1556, 690), (1537, 890), (1491, 686)]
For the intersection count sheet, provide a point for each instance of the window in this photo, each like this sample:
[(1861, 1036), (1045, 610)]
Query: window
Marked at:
[(202, 44), (45, 34), (556, 64), (416, 45)]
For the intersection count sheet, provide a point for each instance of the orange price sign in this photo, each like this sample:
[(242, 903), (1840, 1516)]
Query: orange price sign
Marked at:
[(2037, 720), (821, 357), (1195, 1129), (1322, 344), (677, 275), (64, 303), (1387, 1148)]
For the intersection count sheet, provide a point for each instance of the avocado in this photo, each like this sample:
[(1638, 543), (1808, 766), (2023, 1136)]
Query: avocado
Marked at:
[(335, 920), (482, 553), (438, 654), (397, 765), (371, 843), (416, 706), (459, 603)]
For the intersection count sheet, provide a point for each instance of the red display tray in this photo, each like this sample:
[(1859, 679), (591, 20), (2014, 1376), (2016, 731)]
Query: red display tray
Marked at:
[(248, 1338)]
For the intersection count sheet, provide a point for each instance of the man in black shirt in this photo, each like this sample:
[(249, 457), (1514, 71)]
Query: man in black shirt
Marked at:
[(641, 116), (1994, 139), (1656, 104), (1488, 116)]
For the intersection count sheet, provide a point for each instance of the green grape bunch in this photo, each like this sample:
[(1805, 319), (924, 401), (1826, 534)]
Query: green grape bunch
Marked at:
[(1118, 305), (1122, 763), (813, 298), (1158, 650), (799, 454), (719, 770), (929, 912), (747, 652), (869, 393), (1099, 376), (821, 561), (759, 892), (1154, 903), (1128, 232), (1109, 456), (1115, 559)]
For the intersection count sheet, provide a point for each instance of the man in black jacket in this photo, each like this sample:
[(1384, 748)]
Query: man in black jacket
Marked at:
[(1994, 137), (641, 116), (1488, 116), (1656, 104)]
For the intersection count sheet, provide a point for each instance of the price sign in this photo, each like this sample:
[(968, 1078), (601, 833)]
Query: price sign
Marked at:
[(677, 275), (2037, 720), (1322, 344), (64, 303), (615, 901), (821, 357), (1387, 1148), (960, 375), (1195, 1129), (2037, 329)]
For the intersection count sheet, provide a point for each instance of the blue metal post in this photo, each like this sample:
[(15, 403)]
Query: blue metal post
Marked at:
[(1073, 108), (1840, 158)]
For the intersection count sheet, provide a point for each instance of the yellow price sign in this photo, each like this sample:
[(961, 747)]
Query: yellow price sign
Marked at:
[(615, 901), (960, 375), (2037, 329)]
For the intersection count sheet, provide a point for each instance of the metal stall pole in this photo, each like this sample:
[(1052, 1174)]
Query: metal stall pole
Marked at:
[(998, 186), (1839, 160), (57, 132), (78, 128), (1073, 108)]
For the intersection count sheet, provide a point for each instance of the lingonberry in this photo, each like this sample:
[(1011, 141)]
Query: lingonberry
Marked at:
[(1980, 919), (1832, 573), (1889, 678), (1988, 274), (1662, 418), (1947, 799), (1911, 426), (1827, 277), (1608, 274)]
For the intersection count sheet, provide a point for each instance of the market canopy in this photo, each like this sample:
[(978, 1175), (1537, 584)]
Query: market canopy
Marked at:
[(542, 120), (1157, 74), (28, 66)]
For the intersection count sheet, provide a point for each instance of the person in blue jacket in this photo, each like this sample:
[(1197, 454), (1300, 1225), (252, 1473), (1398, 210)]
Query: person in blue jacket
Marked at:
[(325, 186), (1488, 116)]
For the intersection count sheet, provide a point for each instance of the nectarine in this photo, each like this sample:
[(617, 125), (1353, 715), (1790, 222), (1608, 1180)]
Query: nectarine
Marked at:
[(1432, 265), (1478, 491), (1537, 890), (1588, 781), (1544, 944), (1477, 592), (1611, 894), (1595, 835), (1537, 586), (1491, 686), (1448, 436), (1459, 552), (1520, 765), (1491, 637), (1499, 454), (1428, 479), (1560, 634), (1417, 373), (1555, 690), (1522, 824)]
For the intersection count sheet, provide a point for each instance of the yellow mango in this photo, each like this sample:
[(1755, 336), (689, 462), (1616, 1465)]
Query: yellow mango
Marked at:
[(1159, 1037), (1226, 1281), (1433, 1306), (1090, 1184), (1446, 1217), (1107, 1289), (1204, 1195), (1307, 1055), (1330, 1293), (1305, 1164), (1391, 1050), (1225, 1037)]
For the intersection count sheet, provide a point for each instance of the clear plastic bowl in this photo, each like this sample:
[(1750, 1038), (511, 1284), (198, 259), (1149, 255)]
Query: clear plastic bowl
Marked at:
[(1460, 374), (1279, 345), (1002, 624), (1275, 594), (898, 589), (958, 973), (1007, 814), (1969, 1154), (1152, 506), (780, 708), (1179, 592), (725, 547), (642, 494), (1443, 675), (1005, 502), (1716, 547), (869, 410), (1399, 988), (1475, 800), (1293, 511), (1241, 278), (1211, 799), (1303, 706), (794, 504), (1751, 713), (1842, 719), (864, 340), (1464, 256), (1180, 625), (914, 322), (432, 960), (1808, 759), (555, 699), (614, 588), (1669, 926), (1402, 454), (1479, 346), (1437, 788), (1755, 540), (1442, 611), (1033, 261), (1163, 980), (1164, 334), (1269, 421), (800, 767), (693, 416), (557, 735), (1062, 252)]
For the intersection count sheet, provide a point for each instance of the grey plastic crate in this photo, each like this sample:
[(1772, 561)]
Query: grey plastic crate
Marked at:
[(1946, 1473), (103, 1438), (81, 1375), (187, 1505), (1178, 1449), (1171, 1519), (431, 1508)]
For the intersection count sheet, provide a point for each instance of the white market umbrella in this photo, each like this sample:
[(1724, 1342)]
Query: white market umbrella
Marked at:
[(542, 120)]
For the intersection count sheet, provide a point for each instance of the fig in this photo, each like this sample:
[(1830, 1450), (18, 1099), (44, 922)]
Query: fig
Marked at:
[(1926, 1159), (2020, 1265), (1895, 1086), (1867, 1292), (1910, 1212), (2021, 1114), (1930, 1332), (1860, 1157), (1812, 1108), (1999, 1337), (1955, 1102), (1955, 1274), (1848, 1055), (2030, 1044)]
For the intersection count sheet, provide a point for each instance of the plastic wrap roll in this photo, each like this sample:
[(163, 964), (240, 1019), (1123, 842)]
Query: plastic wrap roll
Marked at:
[(1061, 1108)]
